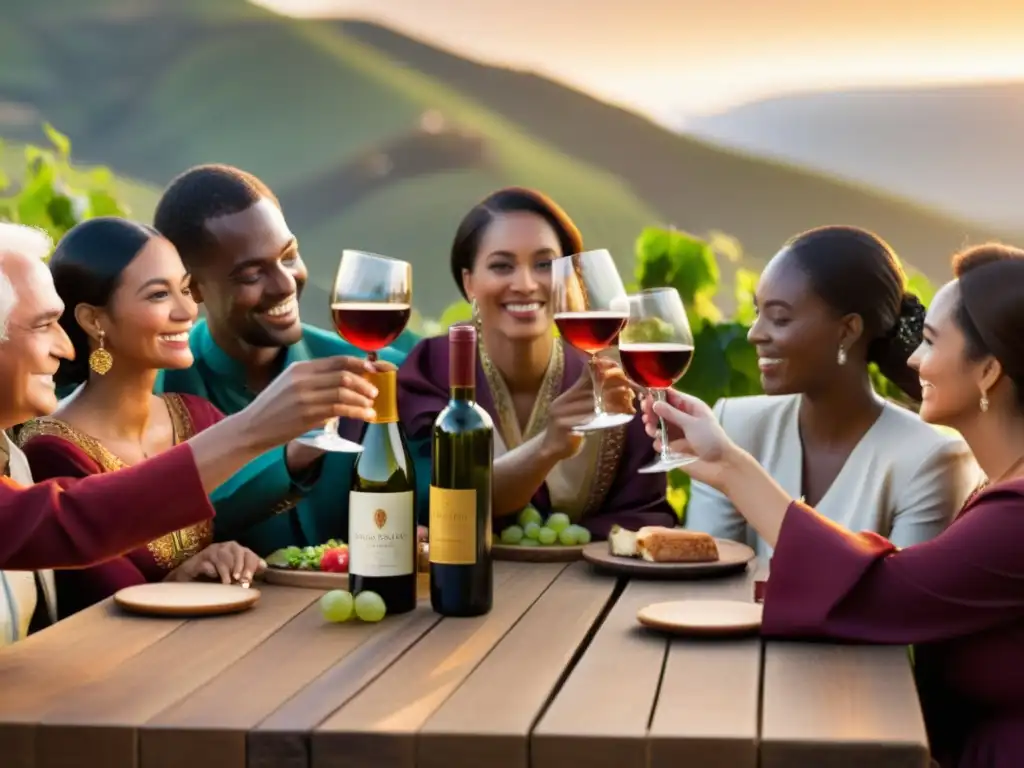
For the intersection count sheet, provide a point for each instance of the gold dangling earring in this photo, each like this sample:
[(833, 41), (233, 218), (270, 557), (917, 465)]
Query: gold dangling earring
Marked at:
[(841, 356), (100, 360), (476, 315), (983, 403)]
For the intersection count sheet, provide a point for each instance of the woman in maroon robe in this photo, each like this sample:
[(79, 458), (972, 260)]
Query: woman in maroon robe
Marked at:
[(534, 387), (959, 597)]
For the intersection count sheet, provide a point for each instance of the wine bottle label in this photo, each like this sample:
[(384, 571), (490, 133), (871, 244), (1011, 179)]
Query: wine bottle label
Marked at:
[(381, 533), (452, 526)]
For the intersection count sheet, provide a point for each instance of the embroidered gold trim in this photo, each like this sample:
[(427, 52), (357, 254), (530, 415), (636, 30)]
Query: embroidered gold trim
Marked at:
[(508, 422), (168, 551), (613, 442)]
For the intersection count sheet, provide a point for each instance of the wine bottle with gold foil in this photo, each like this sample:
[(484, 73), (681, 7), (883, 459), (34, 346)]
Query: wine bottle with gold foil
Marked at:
[(461, 581), (382, 506)]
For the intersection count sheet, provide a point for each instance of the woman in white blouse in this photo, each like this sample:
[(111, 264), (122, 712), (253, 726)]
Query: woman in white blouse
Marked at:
[(831, 301)]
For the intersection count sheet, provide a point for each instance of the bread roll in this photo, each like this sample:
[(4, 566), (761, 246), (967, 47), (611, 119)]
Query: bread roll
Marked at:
[(675, 545)]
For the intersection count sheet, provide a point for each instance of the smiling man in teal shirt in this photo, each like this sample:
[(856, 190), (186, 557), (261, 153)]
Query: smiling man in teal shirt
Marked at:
[(247, 271)]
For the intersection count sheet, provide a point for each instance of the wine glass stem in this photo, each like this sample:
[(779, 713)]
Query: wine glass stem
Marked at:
[(371, 356), (595, 379), (659, 397)]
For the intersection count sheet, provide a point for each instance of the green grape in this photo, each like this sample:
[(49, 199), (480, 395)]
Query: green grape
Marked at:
[(558, 521), (529, 515), (278, 559), (546, 536), (582, 534), (337, 605), (567, 537), (531, 530), (370, 606), (512, 535), (529, 542)]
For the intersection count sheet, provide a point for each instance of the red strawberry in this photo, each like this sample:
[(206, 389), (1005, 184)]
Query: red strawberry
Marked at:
[(335, 560)]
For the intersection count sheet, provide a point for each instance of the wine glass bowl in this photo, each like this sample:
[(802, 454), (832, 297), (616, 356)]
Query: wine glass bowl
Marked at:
[(372, 300), (371, 303), (590, 309), (656, 348)]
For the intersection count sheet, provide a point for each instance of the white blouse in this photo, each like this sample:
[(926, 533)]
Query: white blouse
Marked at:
[(905, 479)]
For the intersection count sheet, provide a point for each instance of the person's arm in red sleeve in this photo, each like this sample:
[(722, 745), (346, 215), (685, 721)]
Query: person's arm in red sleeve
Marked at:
[(68, 523)]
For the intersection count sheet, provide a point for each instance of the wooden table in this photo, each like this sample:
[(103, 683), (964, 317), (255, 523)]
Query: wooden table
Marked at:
[(559, 674)]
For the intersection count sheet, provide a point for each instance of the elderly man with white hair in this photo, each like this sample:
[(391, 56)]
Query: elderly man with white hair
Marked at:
[(66, 523)]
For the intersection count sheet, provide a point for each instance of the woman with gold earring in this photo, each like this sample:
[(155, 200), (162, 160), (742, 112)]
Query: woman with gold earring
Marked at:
[(535, 388), (128, 315)]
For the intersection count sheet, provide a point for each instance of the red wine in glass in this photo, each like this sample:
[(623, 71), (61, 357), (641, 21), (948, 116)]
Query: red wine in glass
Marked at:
[(590, 332), (370, 305), (656, 348), (590, 309), (370, 326), (657, 365)]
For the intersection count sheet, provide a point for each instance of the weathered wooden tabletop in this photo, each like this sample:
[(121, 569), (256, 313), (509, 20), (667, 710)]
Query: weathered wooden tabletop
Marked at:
[(559, 674)]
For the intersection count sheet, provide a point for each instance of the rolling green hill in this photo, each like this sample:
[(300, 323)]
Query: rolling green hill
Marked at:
[(373, 140)]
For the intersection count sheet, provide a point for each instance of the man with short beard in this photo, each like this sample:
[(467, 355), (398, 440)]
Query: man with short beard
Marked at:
[(246, 270), (69, 523)]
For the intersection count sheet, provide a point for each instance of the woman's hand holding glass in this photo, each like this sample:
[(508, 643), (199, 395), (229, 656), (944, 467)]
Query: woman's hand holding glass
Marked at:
[(692, 429), (575, 406)]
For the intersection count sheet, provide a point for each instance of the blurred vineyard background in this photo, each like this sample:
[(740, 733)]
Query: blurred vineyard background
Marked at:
[(41, 186)]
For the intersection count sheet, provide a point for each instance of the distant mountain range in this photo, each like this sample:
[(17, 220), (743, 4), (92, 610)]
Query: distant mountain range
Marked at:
[(957, 148), (378, 141)]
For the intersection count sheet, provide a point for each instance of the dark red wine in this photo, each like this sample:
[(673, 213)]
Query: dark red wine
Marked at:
[(590, 332), (368, 325), (657, 365), (461, 573)]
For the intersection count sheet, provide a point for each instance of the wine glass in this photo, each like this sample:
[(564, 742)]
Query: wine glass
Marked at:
[(370, 306), (590, 308), (656, 347)]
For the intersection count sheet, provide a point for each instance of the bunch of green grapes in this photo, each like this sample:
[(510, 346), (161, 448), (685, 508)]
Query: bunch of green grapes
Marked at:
[(533, 530)]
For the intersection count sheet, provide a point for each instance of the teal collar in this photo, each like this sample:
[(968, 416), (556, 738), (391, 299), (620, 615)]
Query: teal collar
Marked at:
[(205, 348)]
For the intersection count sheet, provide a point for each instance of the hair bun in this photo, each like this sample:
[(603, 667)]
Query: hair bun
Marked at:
[(909, 328)]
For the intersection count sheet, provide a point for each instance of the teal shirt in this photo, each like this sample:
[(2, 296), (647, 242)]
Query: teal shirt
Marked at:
[(322, 511)]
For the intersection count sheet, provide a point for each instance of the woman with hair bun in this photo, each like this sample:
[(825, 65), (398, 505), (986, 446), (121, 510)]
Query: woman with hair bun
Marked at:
[(831, 301), (958, 597)]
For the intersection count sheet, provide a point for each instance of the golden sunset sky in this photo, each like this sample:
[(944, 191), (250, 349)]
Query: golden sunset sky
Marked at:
[(669, 57)]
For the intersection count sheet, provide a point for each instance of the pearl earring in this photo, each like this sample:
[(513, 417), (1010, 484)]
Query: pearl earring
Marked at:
[(841, 355)]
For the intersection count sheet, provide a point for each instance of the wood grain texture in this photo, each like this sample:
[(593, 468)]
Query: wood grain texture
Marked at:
[(43, 670), (839, 706), (377, 728), (708, 702), (599, 718), (514, 683), (208, 728), (96, 726)]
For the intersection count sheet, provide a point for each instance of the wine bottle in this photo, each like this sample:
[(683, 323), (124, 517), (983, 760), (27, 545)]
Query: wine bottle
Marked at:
[(382, 506), (461, 581)]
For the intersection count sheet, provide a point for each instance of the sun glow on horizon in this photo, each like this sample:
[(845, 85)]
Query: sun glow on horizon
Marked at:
[(713, 72)]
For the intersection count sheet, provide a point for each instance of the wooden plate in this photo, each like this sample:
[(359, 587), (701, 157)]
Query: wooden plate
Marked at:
[(292, 577), (288, 577), (714, 618), (189, 598), (733, 557), (551, 554)]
